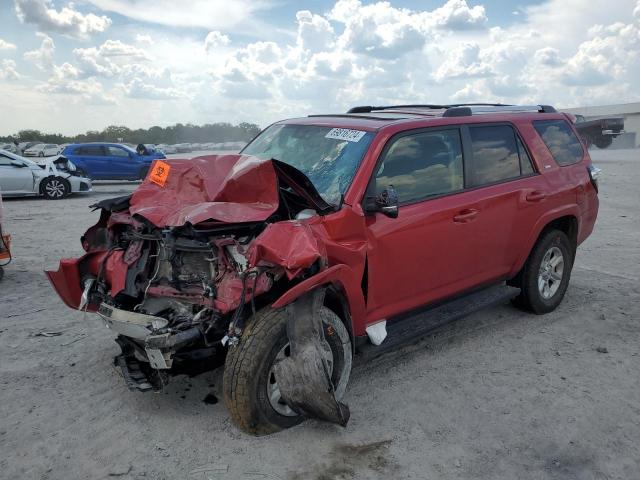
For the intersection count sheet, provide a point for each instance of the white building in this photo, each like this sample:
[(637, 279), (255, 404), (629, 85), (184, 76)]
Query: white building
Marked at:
[(629, 111)]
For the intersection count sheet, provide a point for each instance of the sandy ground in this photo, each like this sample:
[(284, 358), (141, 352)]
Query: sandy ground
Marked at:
[(499, 395)]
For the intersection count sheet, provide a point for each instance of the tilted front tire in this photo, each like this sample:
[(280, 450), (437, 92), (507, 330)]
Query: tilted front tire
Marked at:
[(249, 387), (546, 274)]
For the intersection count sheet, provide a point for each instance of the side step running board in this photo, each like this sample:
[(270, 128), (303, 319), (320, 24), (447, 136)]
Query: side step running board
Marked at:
[(418, 324)]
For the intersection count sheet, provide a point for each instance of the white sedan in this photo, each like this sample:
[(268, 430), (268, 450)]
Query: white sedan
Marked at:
[(54, 180), (42, 150)]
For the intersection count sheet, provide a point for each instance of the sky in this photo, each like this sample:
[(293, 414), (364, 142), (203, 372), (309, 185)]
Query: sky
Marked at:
[(68, 67)]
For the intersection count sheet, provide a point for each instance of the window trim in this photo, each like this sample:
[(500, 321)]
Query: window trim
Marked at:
[(533, 124), (406, 133), (468, 155)]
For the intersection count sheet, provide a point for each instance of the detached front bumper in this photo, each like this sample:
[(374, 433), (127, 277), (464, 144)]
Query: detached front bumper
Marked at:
[(152, 341)]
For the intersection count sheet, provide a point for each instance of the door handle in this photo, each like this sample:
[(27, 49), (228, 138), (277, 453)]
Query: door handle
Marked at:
[(535, 196), (466, 215)]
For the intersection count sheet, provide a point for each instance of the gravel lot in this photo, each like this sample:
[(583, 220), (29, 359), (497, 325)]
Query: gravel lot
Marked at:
[(499, 395)]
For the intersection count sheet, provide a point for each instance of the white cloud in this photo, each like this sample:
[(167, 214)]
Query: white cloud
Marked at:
[(144, 39), (548, 56), (137, 88), (43, 56), (464, 62), (213, 14), (215, 39), (109, 59), (8, 70), (378, 30), (315, 33), (457, 15), (66, 21), (4, 45)]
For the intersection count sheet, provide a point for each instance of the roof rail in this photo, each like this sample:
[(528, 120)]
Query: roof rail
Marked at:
[(462, 109), (471, 109), (369, 109)]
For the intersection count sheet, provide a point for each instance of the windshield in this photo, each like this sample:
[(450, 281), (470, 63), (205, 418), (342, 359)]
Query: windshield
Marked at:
[(328, 156)]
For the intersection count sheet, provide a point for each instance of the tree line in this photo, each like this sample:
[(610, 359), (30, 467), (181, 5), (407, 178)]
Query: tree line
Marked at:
[(178, 133)]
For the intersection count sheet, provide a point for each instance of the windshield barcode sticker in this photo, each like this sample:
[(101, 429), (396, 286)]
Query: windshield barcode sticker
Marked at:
[(345, 134)]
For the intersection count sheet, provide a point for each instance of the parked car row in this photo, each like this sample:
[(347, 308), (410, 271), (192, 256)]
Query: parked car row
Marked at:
[(195, 147)]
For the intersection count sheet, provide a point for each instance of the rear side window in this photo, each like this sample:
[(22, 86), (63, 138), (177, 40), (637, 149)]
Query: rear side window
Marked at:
[(495, 154), (526, 166), (422, 165), (92, 150), (117, 152), (563, 144)]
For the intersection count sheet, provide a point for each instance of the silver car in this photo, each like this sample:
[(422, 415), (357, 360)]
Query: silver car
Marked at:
[(54, 179)]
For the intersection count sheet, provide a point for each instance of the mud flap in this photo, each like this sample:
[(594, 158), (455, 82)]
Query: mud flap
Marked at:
[(304, 378)]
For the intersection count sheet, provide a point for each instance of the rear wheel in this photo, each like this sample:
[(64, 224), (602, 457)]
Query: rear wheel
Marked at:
[(546, 274), (143, 172), (603, 142), (250, 388), (55, 188)]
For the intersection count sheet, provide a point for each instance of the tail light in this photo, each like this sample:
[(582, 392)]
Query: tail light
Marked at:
[(594, 174)]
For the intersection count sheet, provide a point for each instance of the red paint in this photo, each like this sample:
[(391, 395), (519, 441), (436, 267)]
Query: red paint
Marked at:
[(226, 188), (435, 249)]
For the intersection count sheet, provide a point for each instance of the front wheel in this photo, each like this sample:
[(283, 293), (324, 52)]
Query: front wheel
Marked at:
[(55, 188), (545, 276), (250, 389)]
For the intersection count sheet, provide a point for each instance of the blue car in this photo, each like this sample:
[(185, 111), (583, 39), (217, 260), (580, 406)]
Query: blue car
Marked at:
[(110, 161)]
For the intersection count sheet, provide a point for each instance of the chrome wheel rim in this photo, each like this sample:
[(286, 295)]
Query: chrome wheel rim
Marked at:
[(551, 273), (54, 188)]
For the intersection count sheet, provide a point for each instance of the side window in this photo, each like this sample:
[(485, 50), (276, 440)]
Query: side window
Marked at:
[(93, 150), (116, 152), (563, 144), (495, 154), (526, 165), (422, 165), (5, 161)]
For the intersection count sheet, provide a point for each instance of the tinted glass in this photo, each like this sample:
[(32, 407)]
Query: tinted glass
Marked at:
[(564, 146), (116, 152), (92, 150), (526, 165), (422, 165), (495, 154)]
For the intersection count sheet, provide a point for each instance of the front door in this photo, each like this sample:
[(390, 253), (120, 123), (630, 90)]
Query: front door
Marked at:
[(14, 179)]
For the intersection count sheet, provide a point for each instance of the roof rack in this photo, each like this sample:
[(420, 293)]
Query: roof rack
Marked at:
[(462, 109)]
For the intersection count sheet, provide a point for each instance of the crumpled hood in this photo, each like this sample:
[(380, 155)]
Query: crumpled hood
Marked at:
[(225, 188)]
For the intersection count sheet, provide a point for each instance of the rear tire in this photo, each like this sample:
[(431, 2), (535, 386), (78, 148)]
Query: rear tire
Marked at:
[(603, 142), (143, 173), (545, 275), (55, 188), (248, 380)]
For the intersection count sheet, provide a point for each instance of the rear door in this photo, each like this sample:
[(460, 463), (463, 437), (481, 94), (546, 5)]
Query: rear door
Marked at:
[(510, 197)]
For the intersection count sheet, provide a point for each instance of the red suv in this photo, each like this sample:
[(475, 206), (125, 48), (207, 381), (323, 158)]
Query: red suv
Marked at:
[(329, 236)]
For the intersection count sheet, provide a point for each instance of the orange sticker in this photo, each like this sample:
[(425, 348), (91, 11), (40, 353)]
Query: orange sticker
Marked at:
[(160, 172)]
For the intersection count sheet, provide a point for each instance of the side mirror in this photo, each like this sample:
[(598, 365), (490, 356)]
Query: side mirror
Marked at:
[(17, 163), (386, 203)]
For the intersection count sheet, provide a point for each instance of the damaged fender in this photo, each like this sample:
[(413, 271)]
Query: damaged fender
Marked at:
[(304, 378), (344, 279)]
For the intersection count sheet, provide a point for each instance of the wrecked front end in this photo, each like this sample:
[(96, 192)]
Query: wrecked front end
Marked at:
[(177, 269)]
